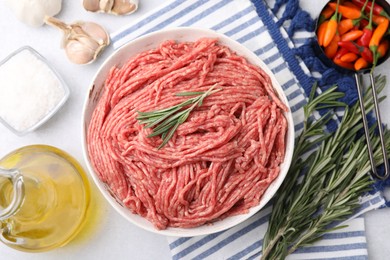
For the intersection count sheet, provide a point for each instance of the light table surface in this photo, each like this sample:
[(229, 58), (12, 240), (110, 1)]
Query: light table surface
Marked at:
[(110, 236)]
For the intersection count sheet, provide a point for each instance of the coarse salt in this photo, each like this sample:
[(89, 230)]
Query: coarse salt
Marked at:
[(29, 91)]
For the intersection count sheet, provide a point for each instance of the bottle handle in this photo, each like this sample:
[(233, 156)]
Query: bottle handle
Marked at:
[(18, 192)]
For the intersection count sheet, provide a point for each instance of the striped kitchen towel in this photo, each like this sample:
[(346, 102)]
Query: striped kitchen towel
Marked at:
[(254, 25)]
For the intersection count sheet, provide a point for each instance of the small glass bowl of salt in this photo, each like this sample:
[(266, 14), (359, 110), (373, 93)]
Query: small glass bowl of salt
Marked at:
[(31, 91)]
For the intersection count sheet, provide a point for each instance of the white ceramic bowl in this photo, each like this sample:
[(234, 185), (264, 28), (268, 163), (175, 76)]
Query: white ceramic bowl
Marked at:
[(152, 40)]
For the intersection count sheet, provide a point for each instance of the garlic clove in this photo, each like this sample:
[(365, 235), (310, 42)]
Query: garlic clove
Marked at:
[(106, 5), (33, 12), (117, 7), (122, 7), (83, 41), (81, 50), (52, 8), (96, 32), (91, 5)]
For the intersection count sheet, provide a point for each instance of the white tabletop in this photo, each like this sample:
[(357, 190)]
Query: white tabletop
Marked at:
[(110, 236)]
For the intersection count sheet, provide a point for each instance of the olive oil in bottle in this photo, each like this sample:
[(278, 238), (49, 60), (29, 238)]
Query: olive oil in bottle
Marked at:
[(50, 203)]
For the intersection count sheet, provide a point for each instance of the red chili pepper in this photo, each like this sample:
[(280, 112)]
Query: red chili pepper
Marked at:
[(378, 10), (367, 54), (341, 52), (363, 23), (355, 48), (351, 46), (365, 39)]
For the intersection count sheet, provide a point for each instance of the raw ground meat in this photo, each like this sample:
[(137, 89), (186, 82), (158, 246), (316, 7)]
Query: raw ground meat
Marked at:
[(218, 163)]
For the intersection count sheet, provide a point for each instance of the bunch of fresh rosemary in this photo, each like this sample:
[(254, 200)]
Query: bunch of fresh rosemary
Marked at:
[(333, 177), (165, 121)]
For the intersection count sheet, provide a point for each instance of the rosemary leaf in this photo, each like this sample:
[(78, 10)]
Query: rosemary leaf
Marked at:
[(335, 176), (161, 118), (193, 93), (172, 119), (155, 113), (163, 129), (166, 121), (169, 135)]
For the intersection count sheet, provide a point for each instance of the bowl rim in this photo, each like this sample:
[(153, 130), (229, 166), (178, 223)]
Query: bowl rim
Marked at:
[(203, 229)]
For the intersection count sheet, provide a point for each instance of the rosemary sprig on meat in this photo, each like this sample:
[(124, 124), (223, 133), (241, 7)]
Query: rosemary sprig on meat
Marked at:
[(335, 176), (166, 121)]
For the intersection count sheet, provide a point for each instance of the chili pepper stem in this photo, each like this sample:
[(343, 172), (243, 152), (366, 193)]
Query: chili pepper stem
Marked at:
[(364, 7), (374, 50), (369, 26)]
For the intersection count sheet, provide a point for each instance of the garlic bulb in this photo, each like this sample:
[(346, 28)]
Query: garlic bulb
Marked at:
[(117, 7), (33, 12), (82, 41)]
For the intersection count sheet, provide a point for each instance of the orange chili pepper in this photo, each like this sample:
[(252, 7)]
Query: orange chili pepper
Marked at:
[(331, 49), (325, 14), (321, 32), (377, 19), (346, 11), (346, 24), (360, 64), (347, 65), (351, 5), (349, 57), (331, 30), (383, 48), (377, 37), (352, 35)]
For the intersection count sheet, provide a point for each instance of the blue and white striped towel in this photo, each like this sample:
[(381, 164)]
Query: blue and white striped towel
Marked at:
[(255, 26)]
